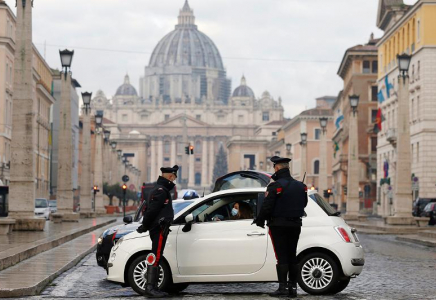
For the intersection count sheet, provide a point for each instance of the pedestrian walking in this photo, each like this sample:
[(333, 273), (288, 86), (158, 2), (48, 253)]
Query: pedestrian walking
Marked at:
[(158, 216), (283, 208)]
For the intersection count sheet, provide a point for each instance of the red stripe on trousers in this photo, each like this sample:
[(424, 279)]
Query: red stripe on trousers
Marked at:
[(272, 242), (159, 248)]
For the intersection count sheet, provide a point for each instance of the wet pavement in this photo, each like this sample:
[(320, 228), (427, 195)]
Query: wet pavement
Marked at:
[(393, 270)]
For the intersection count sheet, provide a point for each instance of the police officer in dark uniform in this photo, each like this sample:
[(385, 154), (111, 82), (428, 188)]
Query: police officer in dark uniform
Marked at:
[(158, 216), (283, 208)]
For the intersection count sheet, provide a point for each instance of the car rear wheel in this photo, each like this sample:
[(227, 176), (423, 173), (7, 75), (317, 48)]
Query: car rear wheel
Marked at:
[(318, 274), (137, 275)]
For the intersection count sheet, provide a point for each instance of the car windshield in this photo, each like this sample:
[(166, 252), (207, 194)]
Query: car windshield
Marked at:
[(329, 210), (237, 181), (40, 203), (52, 203)]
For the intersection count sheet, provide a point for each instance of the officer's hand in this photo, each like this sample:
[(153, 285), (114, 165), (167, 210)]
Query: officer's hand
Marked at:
[(141, 229), (260, 223)]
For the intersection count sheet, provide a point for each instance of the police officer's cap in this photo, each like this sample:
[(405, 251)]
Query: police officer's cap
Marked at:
[(172, 170), (279, 160)]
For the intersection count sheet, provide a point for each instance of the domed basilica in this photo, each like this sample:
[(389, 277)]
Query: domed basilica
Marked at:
[(185, 99)]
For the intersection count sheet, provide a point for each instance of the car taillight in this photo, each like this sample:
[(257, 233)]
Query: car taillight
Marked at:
[(343, 233)]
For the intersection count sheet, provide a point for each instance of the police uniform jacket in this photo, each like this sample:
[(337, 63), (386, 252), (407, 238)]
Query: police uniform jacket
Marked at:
[(159, 205), (285, 201)]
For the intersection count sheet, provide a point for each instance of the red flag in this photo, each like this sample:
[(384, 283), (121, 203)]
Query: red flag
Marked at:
[(378, 121)]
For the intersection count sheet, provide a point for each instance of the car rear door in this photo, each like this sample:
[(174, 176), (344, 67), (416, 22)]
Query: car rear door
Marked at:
[(221, 247)]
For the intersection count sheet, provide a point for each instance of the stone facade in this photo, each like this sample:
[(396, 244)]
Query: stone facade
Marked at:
[(358, 70), (414, 34)]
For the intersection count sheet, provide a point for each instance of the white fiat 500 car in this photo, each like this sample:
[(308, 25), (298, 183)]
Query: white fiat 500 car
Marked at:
[(207, 245)]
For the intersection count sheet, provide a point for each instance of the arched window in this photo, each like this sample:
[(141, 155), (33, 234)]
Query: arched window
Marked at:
[(197, 178), (167, 147), (198, 146), (316, 167)]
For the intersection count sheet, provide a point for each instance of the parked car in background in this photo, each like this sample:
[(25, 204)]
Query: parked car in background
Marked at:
[(42, 208), (419, 204), (110, 236), (188, 194), (242, 179), (53, 205), (430, 212)]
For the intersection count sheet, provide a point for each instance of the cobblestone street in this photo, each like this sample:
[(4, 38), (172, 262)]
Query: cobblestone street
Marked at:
[(393, 270)]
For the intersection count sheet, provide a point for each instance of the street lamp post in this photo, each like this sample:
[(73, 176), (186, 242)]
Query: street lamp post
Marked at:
[(86, 209), (303, 145), (98, 163), (403, 184), (64, 194), (353, 203), (322, 184), (289, 153)]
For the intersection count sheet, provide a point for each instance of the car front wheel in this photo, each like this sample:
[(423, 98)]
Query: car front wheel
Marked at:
[(137, 275), (318, 274)]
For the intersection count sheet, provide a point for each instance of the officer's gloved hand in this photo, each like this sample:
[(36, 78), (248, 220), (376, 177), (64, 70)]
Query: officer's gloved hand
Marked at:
[(260, 223), (141, 229)]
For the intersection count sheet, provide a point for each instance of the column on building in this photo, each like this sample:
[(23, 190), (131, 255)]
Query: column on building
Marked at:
[(98, 172), (173, 150), (211, 158), (85, 178), (204, 175), (159, 155), (322, 181), (191, 178), (153, 173)]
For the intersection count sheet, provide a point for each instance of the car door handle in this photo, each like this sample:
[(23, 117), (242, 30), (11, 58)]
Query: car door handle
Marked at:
[(255, 233)]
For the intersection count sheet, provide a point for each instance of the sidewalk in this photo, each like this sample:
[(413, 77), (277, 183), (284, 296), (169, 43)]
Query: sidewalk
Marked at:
[(32, 275), (410, 233), (21, 245)]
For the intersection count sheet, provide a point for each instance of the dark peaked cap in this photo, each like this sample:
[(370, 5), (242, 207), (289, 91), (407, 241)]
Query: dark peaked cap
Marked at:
[(279, 160), (172, 170)]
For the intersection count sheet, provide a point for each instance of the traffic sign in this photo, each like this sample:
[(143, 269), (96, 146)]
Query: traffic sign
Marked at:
[(125, 178)]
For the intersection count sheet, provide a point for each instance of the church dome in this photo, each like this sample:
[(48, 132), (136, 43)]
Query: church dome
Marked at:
[(186, 46), (126, 89), (243, 90)]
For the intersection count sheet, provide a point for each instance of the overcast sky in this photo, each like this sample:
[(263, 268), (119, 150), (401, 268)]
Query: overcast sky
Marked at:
[(292, 48)]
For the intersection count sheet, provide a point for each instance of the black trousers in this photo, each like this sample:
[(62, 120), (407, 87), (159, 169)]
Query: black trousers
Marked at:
[(158, 240), (285, 240)]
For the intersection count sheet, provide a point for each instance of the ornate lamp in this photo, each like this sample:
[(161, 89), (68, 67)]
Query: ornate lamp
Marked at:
[(303, 136), (404, 63), (323, 123), (354, 102), (288, 147), (66, 58)]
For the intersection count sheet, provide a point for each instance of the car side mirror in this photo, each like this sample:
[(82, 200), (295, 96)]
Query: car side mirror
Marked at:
[(128, 219), (189, 219)]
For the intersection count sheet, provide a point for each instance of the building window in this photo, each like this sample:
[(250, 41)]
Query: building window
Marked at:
[(374, 92), (417, 152), (373, 144), (373, 116), (418, 29), (417, 108), (418, 70), (197, 178), (198, 159), (220, 119), (166, 159), (198, 117), (316, 167), (144, 118), (124, 118), (366, 67), (317, 133), (374, 66), (198, 147), (265, 116), (167, 117), (413, 73), (241, 119)]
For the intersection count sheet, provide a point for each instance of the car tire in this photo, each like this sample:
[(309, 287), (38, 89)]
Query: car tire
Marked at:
[(340, 285), (138, 281), (318, 273)]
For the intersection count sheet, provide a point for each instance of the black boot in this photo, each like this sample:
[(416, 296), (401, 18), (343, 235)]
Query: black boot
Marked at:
[(282, 275), (292, 284), (151, 290)]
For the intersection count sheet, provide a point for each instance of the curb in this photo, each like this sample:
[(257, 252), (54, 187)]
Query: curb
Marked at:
[(424, 242), (36, 289), (16, 258)]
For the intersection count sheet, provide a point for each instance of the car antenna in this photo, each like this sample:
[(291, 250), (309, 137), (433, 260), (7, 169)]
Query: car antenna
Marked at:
[(204, 189), (304, 177)]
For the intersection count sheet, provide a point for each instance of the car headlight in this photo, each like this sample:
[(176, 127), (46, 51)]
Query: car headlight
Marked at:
[(118, 244), (112, 258), (100, 240)]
